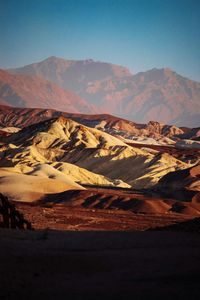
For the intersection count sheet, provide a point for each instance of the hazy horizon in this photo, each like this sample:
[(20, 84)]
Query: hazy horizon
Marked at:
[(99, 61)]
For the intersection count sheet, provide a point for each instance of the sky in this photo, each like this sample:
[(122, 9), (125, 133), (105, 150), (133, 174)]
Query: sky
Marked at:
[(138, 34)]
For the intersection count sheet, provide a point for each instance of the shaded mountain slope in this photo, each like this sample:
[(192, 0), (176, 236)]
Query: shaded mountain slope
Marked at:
[(188, 178), (193, 134), (185, 226), (182, 182)]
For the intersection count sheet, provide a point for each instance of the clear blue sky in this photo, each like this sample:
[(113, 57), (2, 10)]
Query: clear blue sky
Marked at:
[(139, 34)]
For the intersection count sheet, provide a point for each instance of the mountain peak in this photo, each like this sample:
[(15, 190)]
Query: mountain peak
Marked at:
[(168, 72), (51, 58), (165, 70)]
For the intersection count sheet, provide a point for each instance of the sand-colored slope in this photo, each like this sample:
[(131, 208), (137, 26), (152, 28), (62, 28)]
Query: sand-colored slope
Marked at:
[(83, 176), (10, 130), (65, 140), (28, 188), (70, 174), (60, 131), (47, 171), (29, 160)]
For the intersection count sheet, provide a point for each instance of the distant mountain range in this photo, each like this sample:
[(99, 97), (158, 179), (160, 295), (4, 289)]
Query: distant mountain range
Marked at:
[(94, 87), (32, 91)]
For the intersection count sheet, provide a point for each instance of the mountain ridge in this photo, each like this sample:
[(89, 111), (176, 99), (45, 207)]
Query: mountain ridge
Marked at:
[(156, 94), (22, 117)]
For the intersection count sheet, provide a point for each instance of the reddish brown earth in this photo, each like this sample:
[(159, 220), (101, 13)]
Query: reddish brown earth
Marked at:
[(106, 209), (28, 91), (3, 133), (62, 217)]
